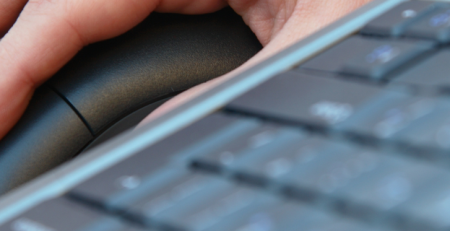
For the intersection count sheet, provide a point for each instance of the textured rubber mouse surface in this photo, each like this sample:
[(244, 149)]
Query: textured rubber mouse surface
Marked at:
[(111, 80)]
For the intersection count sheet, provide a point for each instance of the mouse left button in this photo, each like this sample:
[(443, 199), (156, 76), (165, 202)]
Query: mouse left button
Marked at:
[(48, 134)]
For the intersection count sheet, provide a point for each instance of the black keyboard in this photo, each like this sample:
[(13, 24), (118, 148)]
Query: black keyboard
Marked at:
[(355, 138)]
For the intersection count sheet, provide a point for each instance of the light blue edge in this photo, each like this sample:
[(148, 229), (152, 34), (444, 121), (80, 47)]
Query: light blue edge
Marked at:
[(220, 98)]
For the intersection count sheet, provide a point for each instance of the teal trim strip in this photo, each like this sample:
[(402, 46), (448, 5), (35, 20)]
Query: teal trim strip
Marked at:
[(192, 114)]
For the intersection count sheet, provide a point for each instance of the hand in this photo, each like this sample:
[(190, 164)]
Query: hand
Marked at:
[(48, 33)]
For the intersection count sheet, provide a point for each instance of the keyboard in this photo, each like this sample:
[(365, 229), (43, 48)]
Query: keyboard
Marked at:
[(348, 130)]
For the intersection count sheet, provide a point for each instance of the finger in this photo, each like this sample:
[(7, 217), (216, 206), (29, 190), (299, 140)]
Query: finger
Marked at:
[(304, 20), (50, 32), (9, 11)]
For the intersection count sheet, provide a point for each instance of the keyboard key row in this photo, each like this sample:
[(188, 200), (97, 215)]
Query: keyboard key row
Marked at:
[(199, 202), (378, 59), (361, 111), (315, 101)]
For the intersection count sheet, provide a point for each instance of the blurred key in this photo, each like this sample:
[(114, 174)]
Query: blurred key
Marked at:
[(395, 21), (314, 101), (156, 197), (392, 183), (230, 136), (346, 225), (385, 188), (281, 163), (283, 215), (432, 131), (62, 214), (291, 216), (430, 204), (391, 118), (212, 206), (333, 59), (435, 26), (173, 195), (375, 59), (263, 141), (180, 183), (370, 58), (331, 170), (432, 72)]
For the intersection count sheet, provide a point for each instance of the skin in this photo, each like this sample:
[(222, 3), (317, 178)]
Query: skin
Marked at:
[(42, 35)]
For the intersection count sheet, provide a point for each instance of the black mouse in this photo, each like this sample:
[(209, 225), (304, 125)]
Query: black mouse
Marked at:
[(110, 86)]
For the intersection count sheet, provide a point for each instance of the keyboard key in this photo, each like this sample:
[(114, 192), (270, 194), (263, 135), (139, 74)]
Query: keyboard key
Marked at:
[(394, 181), (331, 170), (206, 209), (260, 142), (333, 59), (435, 26), (169, 179), (367, 57), (125, 177), (433, 131), (159, 196), (229, 136), (226, 152), (62, 214), (290, 216), (430, 205), (391, 118), (146, 166), (430, 73), (377, 58), (281, 163), (312, 101), (101, 226), (395, 21), (346, 225), (283, 215)]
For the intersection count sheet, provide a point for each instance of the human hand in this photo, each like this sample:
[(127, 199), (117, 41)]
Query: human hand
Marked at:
[(48, 33)]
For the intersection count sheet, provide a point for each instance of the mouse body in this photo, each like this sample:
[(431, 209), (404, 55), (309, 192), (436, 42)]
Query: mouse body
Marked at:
[(110, 86)]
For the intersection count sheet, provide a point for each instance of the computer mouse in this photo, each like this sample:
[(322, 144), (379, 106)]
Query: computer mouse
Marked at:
[(110, 86)]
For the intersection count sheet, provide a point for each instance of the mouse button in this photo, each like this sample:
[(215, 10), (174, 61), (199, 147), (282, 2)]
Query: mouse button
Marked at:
[(48, 134)]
